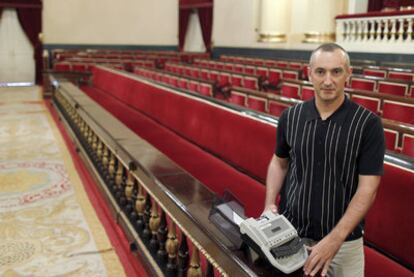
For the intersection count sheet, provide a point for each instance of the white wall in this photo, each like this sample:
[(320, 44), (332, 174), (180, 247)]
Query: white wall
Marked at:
[(125, 22)]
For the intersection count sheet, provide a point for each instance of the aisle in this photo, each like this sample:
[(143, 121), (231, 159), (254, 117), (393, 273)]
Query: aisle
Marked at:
[(47, 225)]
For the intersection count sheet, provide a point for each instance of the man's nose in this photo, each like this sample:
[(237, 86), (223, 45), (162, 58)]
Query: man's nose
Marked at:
[(328, 79)]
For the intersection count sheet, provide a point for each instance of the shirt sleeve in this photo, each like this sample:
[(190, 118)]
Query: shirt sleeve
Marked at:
[(372, 151), (282, 146)]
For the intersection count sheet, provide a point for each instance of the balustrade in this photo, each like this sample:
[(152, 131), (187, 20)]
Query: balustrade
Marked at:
[(376, 32)]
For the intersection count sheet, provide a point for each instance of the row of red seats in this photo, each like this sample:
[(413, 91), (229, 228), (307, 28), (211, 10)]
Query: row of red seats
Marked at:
[(271, 74), (83, 67), (224, 78), (383, 85), (389, 72), (264, 62), (197, 86)]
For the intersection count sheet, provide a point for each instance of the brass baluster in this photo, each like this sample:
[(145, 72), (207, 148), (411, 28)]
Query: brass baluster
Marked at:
[(162, 238), (183, 256), (195, 269), (154, 224), (111, 167), (117, 188), (146, 233), (129, 190), (172, 247), (140, 209)]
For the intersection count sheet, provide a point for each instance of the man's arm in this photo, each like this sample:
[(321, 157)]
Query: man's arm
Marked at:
[(325, 250), (276, 174)]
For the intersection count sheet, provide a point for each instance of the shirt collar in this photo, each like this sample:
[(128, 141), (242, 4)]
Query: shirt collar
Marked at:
[(311, 113)]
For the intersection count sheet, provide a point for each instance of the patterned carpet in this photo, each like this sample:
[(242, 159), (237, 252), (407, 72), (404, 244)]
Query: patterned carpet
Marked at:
[(48, 227)]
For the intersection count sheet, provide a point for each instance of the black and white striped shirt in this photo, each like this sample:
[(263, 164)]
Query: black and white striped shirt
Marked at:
[(325, 159)]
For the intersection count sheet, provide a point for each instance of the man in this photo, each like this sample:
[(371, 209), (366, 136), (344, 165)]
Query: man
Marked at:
[(327, 167)]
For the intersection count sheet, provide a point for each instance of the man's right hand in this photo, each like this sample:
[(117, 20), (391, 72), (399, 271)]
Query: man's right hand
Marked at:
[(271, 207)]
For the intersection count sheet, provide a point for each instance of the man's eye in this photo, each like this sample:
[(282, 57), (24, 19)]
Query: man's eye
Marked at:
[(337, 71), (319, 71)]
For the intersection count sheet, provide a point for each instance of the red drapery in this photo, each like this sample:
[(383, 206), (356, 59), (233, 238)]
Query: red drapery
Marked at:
[(378, 5), (31, 21), (30, 16), (205, 14), (184, 15)]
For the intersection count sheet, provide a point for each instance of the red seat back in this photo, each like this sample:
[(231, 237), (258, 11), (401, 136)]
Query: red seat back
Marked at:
[(398, 111), (408, 145), (257, 103), (392, 88), (276, 108), (371, 103)]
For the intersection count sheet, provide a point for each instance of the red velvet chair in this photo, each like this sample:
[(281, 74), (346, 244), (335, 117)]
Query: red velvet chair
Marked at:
[(250, 83), (224, 79), (290, 90), (262, 71), (62, 66), (362, 84), (205, 89), (375, 72), (398, 111), (406, 76), (392, 88), (391, 139), (195, 72), (228, 66), (238, 68), (79, 67), (274, 76), (371, 103), (270, 63), (205, 74), (193, 86), (249, 69), (213, 75), (408, 145), (307, 93), (287, 74), (282, 64), (295, 65), (257, 103), (237, 98), (276, 108), (182, 83), (236, 80)]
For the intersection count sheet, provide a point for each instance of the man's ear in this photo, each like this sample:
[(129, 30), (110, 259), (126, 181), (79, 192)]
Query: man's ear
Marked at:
[(349, 73)]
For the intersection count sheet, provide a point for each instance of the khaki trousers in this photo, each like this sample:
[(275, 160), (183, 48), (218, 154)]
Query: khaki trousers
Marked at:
[(349, 261)]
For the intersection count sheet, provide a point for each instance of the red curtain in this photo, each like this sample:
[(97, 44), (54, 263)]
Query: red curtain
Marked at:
[(205, 16), (184, 15), (375, 5), (31, 22)]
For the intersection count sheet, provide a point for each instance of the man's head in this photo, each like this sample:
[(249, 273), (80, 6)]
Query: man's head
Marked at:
[(329, 69)]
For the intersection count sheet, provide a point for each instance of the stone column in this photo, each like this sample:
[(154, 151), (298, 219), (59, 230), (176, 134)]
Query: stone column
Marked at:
[(320, 26), (274, 20)]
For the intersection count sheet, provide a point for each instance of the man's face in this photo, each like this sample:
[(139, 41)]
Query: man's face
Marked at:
[(328, 74)]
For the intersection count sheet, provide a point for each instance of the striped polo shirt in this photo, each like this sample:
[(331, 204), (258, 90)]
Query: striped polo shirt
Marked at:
[(325, 159)]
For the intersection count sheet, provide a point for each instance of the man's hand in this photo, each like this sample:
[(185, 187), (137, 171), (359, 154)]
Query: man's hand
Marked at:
[(271, 207), (321, 255)]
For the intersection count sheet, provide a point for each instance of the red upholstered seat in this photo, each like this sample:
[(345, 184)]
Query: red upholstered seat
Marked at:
[(407, 76), (287, 74), (371, 103), (193, 86), (182, 83), (228, 66), (62, 66), (282, 64), (262, 71), (236, 80), (276, 108), (391, 139), (78, 67), (294, 65), (290, 90), (392, 88), (237, 98), (398, 111), (378, 265), (248, 69), (205, 89), (205, 74), (270, 63), (274, 76), (363, 84), (389, 224), (195, 72), (213, 75), (174, 81), (251, 83), (224, 79), (408, 145), (375, 72), (411, 92), (257, 103), (307, 93), (238, 68)]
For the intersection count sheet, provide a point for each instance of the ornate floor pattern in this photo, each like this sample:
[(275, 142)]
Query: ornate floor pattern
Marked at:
[(47, 225)]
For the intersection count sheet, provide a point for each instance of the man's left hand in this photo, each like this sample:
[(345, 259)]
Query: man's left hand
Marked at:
[(321, 255)]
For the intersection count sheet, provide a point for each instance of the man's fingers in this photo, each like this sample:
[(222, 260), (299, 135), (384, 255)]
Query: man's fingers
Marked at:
[(316, 268), (310, 263), (326, 268)]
